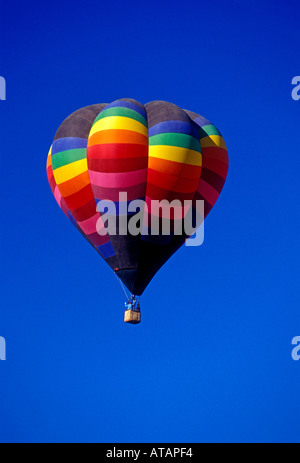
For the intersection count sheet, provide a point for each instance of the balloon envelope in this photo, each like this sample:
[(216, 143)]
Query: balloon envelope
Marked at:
[(153, 152)]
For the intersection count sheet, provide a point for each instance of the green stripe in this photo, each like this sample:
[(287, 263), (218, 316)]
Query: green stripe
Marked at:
[(124, 112), (67, 157), (208, 130), (176, 139)]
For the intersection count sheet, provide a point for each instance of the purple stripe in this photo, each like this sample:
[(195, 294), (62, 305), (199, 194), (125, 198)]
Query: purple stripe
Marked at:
[(201, 121), (174, 127), (68, 143), (127, 104)]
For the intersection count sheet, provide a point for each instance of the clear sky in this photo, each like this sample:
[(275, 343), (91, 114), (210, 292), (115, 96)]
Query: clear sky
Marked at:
[(211, 360)]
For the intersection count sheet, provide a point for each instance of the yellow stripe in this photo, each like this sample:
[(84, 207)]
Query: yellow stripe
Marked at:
[(176, 154), (213, 141), (49, 161), (64, 173), (118, 122)]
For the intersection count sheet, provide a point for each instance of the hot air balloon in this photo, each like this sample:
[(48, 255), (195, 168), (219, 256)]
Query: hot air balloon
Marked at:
[(123, 153)]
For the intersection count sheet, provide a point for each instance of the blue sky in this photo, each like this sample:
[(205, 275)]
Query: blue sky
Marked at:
[(211, 360)]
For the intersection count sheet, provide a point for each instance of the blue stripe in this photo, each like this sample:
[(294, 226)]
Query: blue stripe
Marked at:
[(68, 143), (127, 104), (174, 127), (106, 250)]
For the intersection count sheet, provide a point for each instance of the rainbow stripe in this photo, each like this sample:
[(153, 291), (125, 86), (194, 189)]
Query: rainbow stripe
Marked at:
[(117, 158), (70, 173), (174, 167), (153, 152)]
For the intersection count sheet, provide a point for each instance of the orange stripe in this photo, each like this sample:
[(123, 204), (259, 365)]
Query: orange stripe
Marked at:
[(117, 136), (49, 162), (174, 168), (75, 184)]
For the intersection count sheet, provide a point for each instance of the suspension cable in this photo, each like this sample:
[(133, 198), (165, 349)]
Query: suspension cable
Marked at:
[(122, 286)]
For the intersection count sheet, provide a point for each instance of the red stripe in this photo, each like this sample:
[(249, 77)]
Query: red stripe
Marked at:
[(213, 179), (84, 212), (117, 151), (215, 152), (117, 165), (51, 179), (215, 165), (155, 192), (80, 198), (172, 182)]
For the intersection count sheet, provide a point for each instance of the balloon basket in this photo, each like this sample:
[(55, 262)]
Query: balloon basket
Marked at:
[(132, 316)]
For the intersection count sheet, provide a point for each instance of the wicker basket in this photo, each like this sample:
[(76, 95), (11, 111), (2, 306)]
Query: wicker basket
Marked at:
[(132, 316)]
